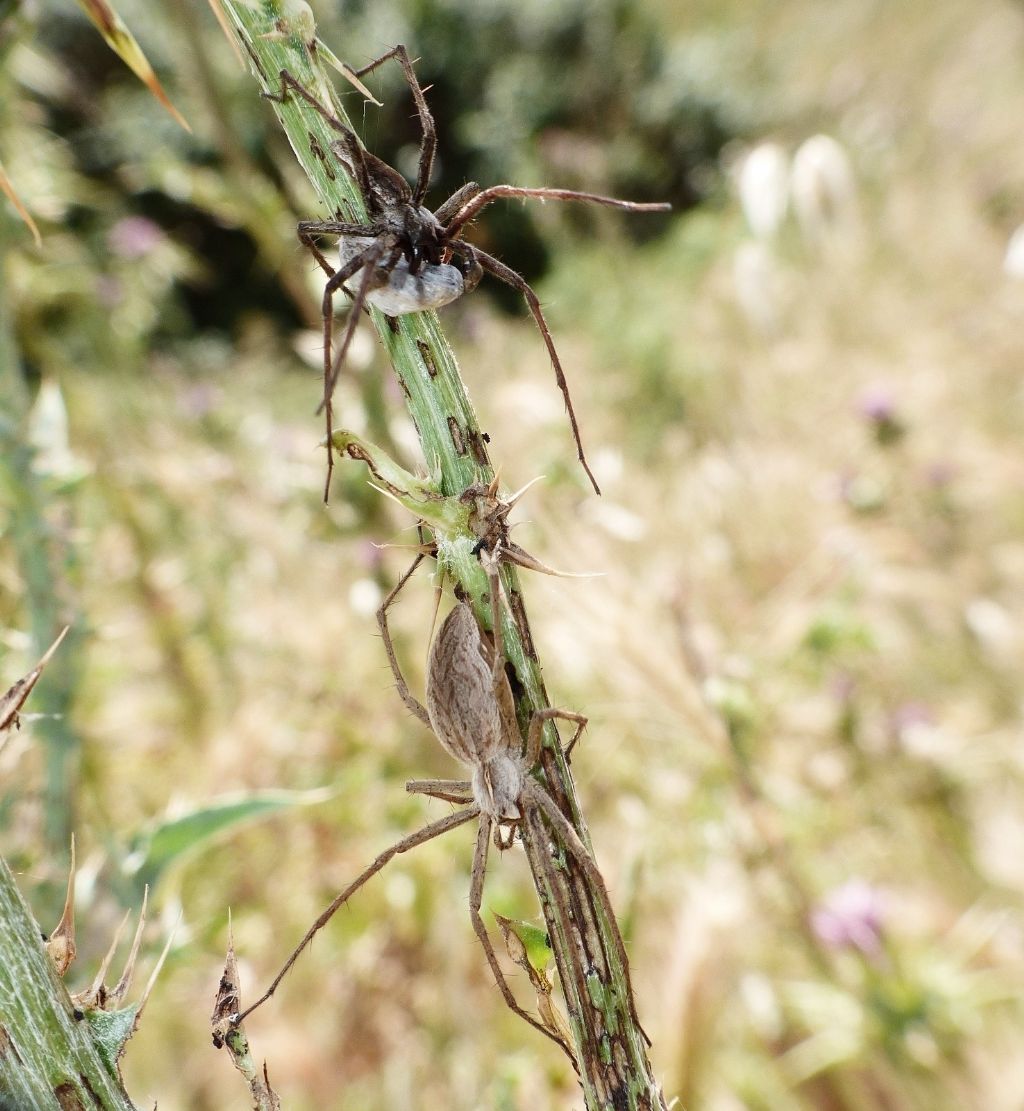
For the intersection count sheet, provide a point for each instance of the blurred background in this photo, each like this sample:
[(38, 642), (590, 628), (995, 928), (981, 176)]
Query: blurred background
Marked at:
[(801, 661)]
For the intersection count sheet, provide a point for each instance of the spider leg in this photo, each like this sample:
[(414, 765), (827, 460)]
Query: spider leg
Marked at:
[(476, 895), (534, 738), (458, 791), (367, 261), (491, 563), (417, 707), (352, 146), (307, 229), (482, 199), (535, 793), (427, 833), (517, 281), (428, 144), (456, 201)]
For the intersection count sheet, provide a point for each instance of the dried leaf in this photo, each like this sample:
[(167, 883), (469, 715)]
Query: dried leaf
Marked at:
[(552, 1017), (227, 1034), (228, 1002), (122, 42), (514, 944), (14, 699)]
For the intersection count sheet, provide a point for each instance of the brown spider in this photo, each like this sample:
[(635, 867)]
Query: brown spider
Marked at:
[(471, 710), (411, 259)]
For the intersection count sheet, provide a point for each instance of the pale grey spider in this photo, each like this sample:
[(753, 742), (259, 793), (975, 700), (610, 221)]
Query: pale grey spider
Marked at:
[(471, 711)]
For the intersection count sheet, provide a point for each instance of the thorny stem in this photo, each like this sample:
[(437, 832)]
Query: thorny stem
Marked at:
[(610, 1048)]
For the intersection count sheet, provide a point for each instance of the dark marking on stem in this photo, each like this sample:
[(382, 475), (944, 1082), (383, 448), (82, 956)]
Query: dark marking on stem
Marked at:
[(476, 446), (256, 63), (427, 356), (456, 434), (68, 1098), (515, 601), (87, 1085), (8, 1048), (392, 324), (405, 388), (318, 153), (518, 690)]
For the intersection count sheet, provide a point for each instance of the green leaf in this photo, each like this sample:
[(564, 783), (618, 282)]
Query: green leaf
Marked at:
[(535, 939), (157, 848)]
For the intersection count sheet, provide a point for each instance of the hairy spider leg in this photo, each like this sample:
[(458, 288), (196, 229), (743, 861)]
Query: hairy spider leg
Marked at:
[(476, 895), (455, 219), (367, 262), (289, 81), (517, 281), (457, 791), (460, 792), (412, 702), (485, 197), (427, 833), (428, 144), (457, 201)]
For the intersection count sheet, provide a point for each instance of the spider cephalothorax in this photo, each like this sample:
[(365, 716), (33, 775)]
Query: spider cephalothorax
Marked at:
[(407, 257)]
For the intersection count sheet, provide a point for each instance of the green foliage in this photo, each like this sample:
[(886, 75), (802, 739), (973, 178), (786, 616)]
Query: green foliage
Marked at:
[(151, 853)]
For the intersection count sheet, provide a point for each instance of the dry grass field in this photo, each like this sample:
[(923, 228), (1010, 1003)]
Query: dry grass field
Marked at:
[(799, 643)]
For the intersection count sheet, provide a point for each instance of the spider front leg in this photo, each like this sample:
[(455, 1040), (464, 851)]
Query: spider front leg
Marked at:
[(411, 701), (517, 281), (427, 833), (535, 738), (428, 144), (457, 791), (367, 262), (457, 201), (352, 153)]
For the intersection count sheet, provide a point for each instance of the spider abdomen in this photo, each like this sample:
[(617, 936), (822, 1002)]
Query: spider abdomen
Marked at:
[(400, 291), (465, 709)]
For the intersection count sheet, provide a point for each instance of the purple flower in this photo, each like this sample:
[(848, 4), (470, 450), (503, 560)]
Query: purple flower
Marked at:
[(134, 237), (878, 407), (850, 917)]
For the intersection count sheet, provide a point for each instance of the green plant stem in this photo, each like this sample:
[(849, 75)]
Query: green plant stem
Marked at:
[(48, 1059), (610, 1049)]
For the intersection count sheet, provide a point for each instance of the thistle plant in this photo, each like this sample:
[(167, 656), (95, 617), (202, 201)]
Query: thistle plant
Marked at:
[(459, 503)]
